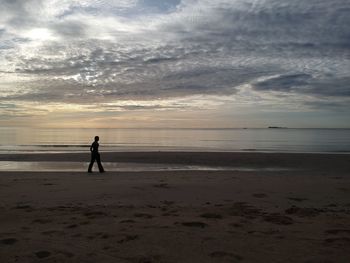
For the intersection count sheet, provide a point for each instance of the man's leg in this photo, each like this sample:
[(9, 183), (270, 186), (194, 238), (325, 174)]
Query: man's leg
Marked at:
[(91, 163), (100, 167)]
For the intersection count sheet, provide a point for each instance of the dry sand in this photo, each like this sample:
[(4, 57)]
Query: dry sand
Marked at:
[(296, 215)]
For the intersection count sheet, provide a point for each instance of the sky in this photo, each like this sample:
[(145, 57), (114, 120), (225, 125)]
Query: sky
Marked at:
[(175, 63)]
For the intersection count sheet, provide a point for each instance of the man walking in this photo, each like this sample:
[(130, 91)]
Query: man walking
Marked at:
[(95, 155)]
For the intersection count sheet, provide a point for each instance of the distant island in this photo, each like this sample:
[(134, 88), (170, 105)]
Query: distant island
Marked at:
[(277, 127)]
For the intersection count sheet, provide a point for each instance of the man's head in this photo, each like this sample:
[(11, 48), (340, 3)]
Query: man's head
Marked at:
[(97, 138)]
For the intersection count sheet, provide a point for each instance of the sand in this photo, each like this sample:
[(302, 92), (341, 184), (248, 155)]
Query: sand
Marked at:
[(297, 214)]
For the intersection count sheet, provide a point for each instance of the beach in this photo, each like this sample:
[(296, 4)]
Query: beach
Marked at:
[(250, 207)]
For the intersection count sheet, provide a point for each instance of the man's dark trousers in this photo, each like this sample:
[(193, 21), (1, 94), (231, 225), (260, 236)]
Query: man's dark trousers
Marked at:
[(95, 156)]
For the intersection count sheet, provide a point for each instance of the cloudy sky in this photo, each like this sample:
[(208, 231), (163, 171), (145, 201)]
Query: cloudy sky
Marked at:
[(175, 63)]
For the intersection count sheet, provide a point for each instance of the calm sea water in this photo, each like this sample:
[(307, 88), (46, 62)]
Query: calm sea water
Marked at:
[(264, 140)]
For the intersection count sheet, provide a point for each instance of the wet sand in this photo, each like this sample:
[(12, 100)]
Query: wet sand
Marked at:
[(300, 214)]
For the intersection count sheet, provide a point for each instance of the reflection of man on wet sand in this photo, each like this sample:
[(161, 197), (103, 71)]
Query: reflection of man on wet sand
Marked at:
[(95, 155)]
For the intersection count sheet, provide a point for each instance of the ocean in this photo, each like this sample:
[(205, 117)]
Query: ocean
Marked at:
[(21, 140)]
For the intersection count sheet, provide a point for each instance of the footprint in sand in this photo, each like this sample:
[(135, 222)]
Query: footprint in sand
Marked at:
[(245, 210), (145, 259), (95, 214), (128, 238), (278, 219), (194, 224), (223, 254), (8, 241), (139, 188), (67, 254), (297, 199), (23, 207), (42, 221), (100, 235), (72, 226), (337, 231), (143, 215), (162, 185), (211, 216), (171, 213), (127, 221), (42, 254), (52, 232), (303, 211), (338, 241), (238, 225), (332, 205), (166, 202), (343, 189), (260, 195)]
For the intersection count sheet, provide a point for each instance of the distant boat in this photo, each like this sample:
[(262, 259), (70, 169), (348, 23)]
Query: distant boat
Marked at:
[(277, 127)]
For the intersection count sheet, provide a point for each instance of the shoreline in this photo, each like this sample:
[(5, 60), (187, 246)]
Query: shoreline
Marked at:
[(173, 151), (310, 161)]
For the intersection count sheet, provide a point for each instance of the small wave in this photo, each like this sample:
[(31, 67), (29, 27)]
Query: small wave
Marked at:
[(56, 145)]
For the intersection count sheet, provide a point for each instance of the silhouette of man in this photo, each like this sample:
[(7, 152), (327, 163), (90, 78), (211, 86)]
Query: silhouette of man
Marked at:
[(95, 155)]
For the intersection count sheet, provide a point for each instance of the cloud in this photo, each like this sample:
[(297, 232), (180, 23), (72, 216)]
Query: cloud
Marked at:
[(70, 29), (91, 51), (329, 86), (283, 82)]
